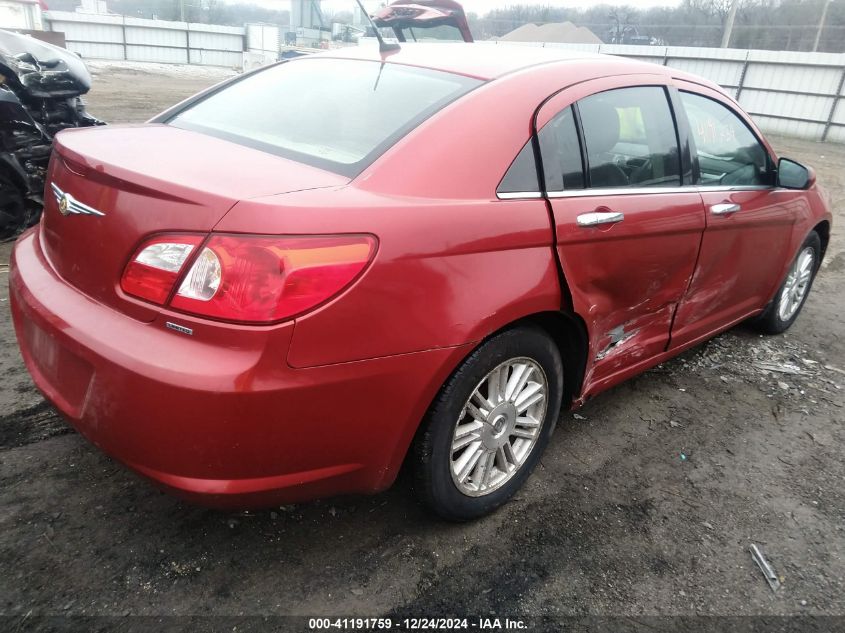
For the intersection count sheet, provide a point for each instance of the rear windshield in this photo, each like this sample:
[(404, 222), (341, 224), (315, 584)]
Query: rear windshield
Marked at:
[(335, 114)]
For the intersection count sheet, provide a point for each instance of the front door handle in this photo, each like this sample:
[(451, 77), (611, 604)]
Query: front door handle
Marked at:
[(726, 208), (597, 218)]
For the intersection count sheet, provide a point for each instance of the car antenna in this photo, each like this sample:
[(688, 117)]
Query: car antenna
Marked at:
[(383, 46)]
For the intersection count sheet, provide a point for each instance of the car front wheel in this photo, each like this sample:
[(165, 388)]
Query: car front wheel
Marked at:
[(489, 424), (784, 309), (13, 211)]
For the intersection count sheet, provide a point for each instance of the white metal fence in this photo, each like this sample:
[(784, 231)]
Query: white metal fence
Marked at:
[(135, 39), (789, 93)]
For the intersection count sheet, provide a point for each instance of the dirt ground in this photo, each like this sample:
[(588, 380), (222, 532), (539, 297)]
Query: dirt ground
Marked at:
[(646, 501)]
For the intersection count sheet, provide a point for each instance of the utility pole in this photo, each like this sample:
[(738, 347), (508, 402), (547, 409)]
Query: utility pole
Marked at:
[(729, 24), (182, 10), (821, 25)]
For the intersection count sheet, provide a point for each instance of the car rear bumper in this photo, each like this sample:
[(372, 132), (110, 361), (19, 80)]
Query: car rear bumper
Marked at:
[(219, 417)]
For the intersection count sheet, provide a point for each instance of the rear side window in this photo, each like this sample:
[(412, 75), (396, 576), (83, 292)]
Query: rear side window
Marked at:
[(335, 114), (728, 153), (522, 174), (561, 154), (630, 138)]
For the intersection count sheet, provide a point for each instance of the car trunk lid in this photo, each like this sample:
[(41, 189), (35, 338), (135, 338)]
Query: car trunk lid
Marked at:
[(145, 180)]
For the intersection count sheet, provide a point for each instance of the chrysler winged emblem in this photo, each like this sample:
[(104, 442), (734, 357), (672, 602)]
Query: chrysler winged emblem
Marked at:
[(68, 205)]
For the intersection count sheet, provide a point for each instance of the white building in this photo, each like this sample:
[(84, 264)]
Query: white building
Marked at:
[(93, 6), (20, 14)]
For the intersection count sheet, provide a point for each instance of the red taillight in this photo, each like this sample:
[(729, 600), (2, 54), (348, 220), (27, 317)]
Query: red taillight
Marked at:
[(156, 265), (253, 278)]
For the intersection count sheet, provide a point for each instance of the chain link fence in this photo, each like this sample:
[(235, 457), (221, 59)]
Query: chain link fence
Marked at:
[(780, 37)]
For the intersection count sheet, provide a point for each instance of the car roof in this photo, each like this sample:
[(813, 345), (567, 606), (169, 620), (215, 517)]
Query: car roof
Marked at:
[(485, 61)]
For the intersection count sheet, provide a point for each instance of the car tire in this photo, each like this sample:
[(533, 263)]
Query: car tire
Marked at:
[(531, 364), (14, 213), (782, 311)]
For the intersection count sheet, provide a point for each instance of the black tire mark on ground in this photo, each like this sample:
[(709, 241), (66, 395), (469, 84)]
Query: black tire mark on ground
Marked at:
[(570, 539), (33, 424)]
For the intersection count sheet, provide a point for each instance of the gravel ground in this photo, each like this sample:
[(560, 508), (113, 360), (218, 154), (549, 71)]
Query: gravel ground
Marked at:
[(645, 503)]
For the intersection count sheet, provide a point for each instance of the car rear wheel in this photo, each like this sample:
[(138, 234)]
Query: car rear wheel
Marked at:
[(786, 306), (489, 425)]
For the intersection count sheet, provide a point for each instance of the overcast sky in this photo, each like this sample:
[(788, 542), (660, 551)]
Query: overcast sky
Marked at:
[(478, 6)]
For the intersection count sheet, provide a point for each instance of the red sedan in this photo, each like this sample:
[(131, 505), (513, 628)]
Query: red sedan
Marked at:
[(290, 284)]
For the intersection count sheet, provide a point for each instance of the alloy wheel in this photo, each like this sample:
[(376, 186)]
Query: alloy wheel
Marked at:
[(499, 426), (797, 284)]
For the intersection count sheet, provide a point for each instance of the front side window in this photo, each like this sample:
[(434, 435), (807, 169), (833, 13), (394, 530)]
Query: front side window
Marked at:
[(630, 138), (728, 153), (335, 114)]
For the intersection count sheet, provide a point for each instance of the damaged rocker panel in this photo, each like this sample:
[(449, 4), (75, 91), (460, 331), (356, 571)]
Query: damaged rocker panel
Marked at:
[(618, 337)]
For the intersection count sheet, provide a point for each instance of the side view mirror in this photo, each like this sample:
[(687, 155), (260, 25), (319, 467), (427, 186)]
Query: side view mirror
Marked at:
[(794, 175)]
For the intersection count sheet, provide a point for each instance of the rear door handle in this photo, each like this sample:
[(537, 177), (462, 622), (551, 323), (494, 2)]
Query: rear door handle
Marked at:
[(597, 218), (726, 208)]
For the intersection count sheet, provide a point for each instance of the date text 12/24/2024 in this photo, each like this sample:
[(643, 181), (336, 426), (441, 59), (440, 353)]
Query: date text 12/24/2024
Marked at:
[(416, 624)]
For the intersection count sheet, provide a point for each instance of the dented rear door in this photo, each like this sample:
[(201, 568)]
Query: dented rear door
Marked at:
[(626, 279), (628, 231)]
